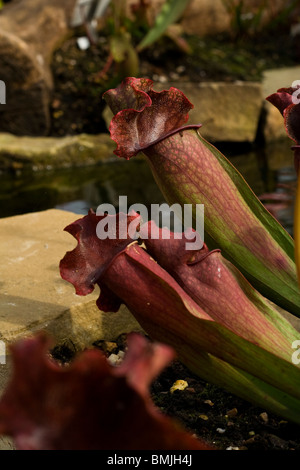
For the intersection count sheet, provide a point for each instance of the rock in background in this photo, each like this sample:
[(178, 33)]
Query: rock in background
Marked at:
[(40, 153), (29, 32), (203, 17), (229, 112)]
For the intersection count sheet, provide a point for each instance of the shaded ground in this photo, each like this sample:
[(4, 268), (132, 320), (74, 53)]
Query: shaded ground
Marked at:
[(220, 418)]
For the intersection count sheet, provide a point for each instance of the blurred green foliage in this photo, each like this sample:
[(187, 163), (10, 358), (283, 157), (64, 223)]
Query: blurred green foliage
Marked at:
[(128, 37)]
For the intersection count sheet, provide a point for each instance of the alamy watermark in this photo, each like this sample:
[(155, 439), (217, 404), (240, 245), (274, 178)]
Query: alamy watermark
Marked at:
[(296, 354), (177, 219), (2, 92), (296, 93), (2, 352)]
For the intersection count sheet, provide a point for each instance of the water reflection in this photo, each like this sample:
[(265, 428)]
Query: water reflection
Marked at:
[(268, 171), (281, 201), (281, 182), (79, 189)]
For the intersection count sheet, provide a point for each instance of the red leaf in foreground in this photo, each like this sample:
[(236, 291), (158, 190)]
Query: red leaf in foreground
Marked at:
[(89, 404)]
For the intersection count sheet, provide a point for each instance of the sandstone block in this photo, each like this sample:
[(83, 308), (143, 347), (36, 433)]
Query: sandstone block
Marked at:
[(33, 295), (29, 32), (39, 153), (228, 111)]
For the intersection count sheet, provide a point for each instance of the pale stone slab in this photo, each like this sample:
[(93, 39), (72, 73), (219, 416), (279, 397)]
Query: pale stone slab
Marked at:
[(279, 78), (229, 112), (6, 444), (32, 294), (39, 153)]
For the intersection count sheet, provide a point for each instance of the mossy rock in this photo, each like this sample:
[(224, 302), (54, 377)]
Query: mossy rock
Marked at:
[(39, 153)]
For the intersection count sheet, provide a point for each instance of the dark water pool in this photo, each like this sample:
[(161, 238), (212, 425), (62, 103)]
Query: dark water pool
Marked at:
[(268, 171)]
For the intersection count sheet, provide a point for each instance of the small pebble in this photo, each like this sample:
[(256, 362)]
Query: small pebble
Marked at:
[(174, 76), (220, 430), (179, 385), (56, 103), (116, 359), (232, 413), (204, 417), (83, 43), (264, 417), (109, 346), (162, 79), (250, 441), (57, 114), (209, 402)]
